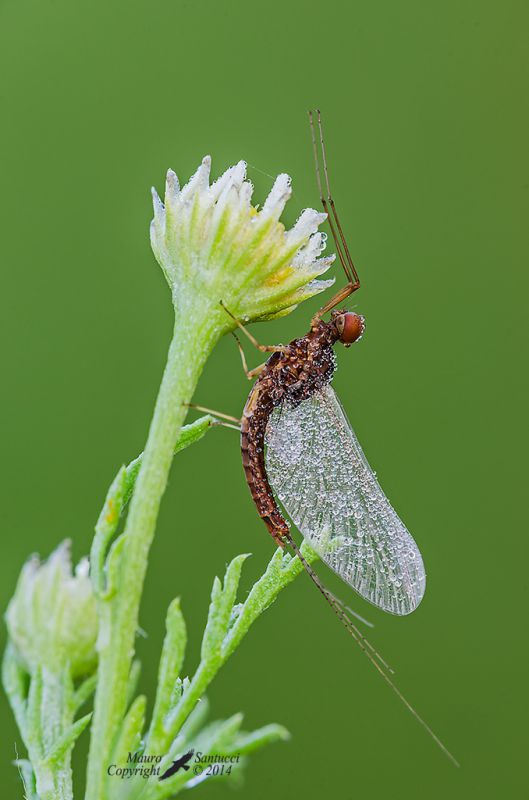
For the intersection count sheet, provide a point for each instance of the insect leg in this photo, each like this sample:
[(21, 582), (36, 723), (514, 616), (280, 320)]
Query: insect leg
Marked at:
[(227, 425), (250, 373), (351, 269), (264, 348), (214, 413), (353, 282)]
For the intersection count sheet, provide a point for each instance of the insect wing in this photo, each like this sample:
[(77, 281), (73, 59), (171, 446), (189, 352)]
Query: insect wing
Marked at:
[(320, 474)]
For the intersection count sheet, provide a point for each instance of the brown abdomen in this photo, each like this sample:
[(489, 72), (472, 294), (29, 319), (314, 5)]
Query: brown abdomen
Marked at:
[(253, 426)]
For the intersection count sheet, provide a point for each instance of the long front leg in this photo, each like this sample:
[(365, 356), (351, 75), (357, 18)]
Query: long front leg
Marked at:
[(338, 298), (342, 250)]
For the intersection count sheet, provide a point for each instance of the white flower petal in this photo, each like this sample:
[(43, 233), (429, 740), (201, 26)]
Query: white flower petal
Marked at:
[(172, 187), (245, 195), (229, 197), (312, 288), (278, 197), (158, 208), (317, 266), (311, 250), (198, 181), (239, 174), (307, 224), (82, 569), (218, 186)]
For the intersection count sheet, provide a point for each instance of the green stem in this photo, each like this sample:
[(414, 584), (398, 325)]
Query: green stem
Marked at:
[(56, 716), (195, 334)]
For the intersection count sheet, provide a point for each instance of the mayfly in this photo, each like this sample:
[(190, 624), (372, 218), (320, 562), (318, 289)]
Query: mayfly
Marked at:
[(299, 447)]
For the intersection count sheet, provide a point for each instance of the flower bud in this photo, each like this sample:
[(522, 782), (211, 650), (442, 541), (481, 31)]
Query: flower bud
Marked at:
[(52, 618)]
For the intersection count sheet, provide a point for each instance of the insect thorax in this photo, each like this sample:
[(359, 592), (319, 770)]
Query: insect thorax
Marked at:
[(309, 367)]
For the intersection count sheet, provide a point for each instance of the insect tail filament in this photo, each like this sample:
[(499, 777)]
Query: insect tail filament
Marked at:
[(346, 610), (364, 645)]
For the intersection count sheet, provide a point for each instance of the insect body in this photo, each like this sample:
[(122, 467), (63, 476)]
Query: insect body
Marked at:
[(296, 440), (292, 376)]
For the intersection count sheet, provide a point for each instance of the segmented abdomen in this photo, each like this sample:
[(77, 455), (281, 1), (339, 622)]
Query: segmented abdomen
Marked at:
[(293, 375), (255, 417)]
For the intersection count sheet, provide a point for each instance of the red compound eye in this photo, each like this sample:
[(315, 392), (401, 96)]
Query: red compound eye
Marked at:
[(350, 326)]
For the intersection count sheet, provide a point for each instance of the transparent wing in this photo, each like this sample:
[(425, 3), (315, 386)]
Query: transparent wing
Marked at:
[(320, 474)]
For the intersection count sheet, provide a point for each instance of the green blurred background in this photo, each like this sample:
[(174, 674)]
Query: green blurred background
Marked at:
[(426, 112)]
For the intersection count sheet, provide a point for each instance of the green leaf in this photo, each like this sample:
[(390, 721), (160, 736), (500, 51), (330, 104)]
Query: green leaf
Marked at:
[(113, 567), (66, 741), (222, 600), (193, 432), (214, 738), (134, 677), (34, 719), (119, 495), (28, 778), (224, 732), (106, 527), (171, 661), (14, 679), (248, 742), (83, 692), (220, 640), (281, 571), (195, 720), (189, 434), (131, 730)]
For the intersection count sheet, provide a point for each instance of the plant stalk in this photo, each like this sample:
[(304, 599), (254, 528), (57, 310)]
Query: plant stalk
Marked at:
[(195, 334)]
